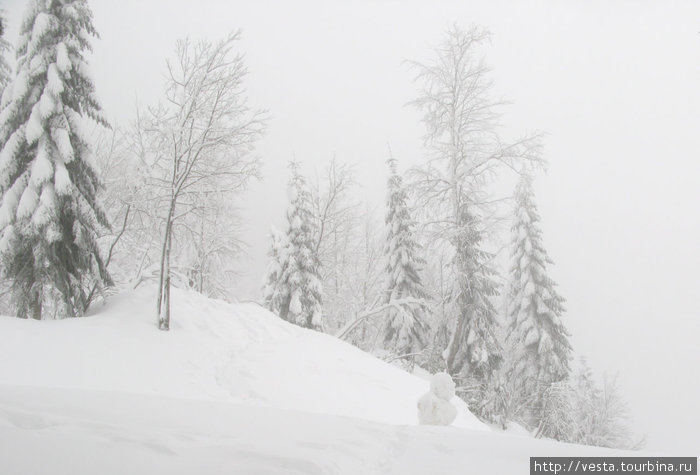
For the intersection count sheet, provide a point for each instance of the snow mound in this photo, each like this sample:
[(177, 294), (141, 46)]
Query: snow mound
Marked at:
[(214, 351)]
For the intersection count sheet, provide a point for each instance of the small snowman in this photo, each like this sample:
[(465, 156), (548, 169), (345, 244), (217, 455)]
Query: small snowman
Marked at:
[(434, 407)]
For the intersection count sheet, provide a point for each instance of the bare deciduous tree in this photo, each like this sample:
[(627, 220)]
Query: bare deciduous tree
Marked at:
[(199, 143), (335, 211), (332, 206)]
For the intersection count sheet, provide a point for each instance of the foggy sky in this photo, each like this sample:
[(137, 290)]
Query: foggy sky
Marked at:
[(614, 84)]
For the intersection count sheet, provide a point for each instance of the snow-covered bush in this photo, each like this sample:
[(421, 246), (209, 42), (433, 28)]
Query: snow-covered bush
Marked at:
[(602, 414), (558, 413)]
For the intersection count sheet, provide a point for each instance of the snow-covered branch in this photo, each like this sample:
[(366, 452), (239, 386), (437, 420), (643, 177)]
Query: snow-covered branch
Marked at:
[(399, 305)]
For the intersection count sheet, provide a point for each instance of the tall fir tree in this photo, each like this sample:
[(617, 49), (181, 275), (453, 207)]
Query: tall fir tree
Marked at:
[(406, 330), (537, 335), (293, 287), (49, 213)]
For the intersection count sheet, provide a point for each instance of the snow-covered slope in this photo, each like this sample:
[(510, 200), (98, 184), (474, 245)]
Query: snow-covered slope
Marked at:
[(214, 351), (230, 389)]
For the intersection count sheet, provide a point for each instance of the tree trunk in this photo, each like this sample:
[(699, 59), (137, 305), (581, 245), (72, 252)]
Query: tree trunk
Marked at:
[(164, 302), (202, 257), (164, 322), (36, 304), (164, 281), (454, 344)]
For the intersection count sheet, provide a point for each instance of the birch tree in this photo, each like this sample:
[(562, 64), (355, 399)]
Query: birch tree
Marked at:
[(465, 153), (336, 215), (199, 142)]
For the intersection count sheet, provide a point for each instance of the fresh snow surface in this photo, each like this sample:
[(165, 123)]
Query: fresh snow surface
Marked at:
[(231, 389), (81, 432), (214, 351)]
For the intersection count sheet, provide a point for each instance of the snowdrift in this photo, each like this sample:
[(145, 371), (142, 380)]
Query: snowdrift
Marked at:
[(230, 389), (214, 351)]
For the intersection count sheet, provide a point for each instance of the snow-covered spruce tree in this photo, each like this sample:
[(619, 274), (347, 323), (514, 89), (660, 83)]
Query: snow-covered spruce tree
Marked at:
[(406, 330), (5, 47), (541, 349), (275, 292), (5, 73), (300, 300), (474, 352), (49, 213)]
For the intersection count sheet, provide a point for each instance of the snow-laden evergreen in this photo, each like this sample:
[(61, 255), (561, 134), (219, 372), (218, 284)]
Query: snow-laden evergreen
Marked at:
[(275, 292), (5, 48), (406, 329), (293, 286), (536, 332), (49, 212), (474, 352)]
